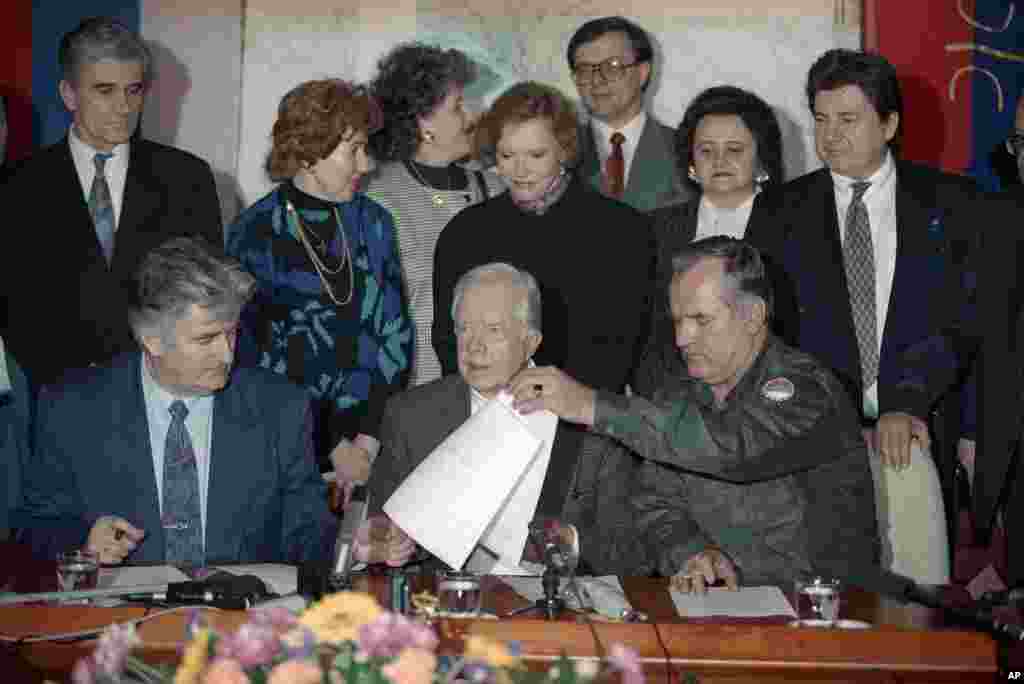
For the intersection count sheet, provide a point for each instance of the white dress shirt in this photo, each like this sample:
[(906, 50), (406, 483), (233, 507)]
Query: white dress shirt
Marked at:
[(880, 201), (116, 170), (198, 422), (712, 220), (631, 131)]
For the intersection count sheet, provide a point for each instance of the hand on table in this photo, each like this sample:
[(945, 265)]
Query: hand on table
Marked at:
[(704, 569), (894, 433), (378, 540), (112, 538)]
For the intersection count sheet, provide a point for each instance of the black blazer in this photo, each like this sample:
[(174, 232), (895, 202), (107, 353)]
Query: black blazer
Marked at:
[(65, 307), (997, 475), (932, 282)]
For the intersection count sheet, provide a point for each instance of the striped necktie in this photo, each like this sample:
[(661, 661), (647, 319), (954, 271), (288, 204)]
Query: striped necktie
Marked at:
[(859, 262), (615, 167), (101, 208)]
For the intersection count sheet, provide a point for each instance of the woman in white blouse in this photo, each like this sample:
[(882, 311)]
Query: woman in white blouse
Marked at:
[(729, 146)]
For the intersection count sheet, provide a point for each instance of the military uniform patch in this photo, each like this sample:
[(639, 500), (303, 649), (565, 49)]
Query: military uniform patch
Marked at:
[(778, 389)]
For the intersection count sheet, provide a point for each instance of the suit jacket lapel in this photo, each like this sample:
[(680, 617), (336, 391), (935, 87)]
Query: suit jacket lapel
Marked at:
[(651, 166), (142, 197), (133, 461), (236, 436), (591, 165)]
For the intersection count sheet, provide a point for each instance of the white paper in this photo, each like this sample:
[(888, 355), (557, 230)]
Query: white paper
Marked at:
[(601, 594), (719, 601), (507, 533), (138, 575), (450, 499)]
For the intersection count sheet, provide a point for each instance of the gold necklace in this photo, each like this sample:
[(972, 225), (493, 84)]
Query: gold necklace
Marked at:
[(436, 197), (321, 268)]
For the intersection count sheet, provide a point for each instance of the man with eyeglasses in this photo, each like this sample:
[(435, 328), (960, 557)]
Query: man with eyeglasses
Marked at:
[(624, 151)]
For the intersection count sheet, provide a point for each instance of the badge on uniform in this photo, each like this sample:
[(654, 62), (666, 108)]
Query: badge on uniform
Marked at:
[(778, 389)]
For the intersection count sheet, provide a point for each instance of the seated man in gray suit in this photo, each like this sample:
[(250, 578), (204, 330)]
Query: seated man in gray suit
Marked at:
[(624, 151), (169, 454), (497, 314)]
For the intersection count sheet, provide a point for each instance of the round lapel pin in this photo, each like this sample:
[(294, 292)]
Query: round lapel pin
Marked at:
[(778, 389)]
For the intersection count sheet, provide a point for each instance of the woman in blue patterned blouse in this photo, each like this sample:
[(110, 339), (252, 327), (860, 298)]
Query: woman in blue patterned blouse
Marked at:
[(329, 312)]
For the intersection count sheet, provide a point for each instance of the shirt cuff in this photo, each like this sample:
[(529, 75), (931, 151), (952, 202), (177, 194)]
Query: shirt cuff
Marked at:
[(369, 444)]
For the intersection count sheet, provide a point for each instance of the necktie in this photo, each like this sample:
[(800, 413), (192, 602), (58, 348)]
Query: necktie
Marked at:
[(100, 206), (615, 167), (183, 527), (859, 262)]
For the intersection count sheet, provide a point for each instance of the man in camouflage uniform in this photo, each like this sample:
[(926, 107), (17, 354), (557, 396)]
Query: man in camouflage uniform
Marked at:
[(755, 468)]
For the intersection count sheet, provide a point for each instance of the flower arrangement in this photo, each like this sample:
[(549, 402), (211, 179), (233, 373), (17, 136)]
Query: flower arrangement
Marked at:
[(346, 638)]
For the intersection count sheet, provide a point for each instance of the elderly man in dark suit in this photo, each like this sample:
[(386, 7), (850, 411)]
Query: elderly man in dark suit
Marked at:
[(624, 151), (91, 206), (497, 311), (171, 455), (873, 253)]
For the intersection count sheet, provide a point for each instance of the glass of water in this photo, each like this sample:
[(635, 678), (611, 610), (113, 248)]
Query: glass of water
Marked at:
[(459, 594), (77, 570), (816, 601)]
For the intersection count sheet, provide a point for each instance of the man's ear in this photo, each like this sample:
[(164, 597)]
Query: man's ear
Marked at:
[(69, 95), (758, 315), (533, 339)]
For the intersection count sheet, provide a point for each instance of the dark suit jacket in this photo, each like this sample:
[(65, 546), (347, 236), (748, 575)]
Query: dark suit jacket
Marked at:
[(998, 476), (266, 500), (654, 180), (587, 482), (15, 422), (936, 224), (66, 308)]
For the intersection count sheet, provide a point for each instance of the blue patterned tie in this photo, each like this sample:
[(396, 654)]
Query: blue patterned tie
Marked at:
[(183, 527), (101, 208), (859, 260)]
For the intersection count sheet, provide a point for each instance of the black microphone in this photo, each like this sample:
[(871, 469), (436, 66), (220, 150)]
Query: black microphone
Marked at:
[(906, 590), (220, 590)]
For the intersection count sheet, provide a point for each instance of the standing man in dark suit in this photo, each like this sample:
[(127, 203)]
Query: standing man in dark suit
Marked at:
[(92, 205), (874, 250), (497, 314), (624, 151), (170, 455)]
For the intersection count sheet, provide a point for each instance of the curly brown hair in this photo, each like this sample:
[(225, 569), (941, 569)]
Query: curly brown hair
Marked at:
[(313, 118), (523, 102)]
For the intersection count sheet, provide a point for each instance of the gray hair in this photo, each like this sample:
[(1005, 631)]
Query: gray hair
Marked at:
[(529, 313), (101, 38), (743, 273), (182, 272)]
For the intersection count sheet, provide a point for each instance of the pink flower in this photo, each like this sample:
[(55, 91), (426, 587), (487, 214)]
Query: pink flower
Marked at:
[(295, 672), (625, 660), (414, 666), (390, 633), (253, 644), (225, 671), (279, 618), (84, 673)]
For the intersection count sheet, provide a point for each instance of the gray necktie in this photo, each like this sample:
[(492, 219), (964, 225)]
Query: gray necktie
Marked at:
[(859, 260), (100, 206), (183, 527)]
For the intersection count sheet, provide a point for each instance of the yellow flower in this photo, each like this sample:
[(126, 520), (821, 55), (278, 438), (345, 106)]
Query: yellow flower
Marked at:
[(490, 651), (339, 616), (194, 659)]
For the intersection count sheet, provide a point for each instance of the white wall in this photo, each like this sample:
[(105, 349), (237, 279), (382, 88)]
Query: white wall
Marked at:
[(224, 69)]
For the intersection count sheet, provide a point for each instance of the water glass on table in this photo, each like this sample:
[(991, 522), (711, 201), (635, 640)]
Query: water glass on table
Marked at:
[(459, 594), (816, 600), (77, 570)]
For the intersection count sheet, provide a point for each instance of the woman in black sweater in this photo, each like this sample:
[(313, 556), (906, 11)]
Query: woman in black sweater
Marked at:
[(592, 256)]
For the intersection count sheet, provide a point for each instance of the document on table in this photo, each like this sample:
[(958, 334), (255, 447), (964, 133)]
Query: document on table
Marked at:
[(722, 602), (451, 500), (280, 578)]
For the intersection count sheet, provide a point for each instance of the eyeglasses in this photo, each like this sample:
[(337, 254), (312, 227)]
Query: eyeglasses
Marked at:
[(1015, 144), (611, 70)]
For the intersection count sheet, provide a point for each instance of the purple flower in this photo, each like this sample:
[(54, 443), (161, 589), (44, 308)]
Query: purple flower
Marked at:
[(253, 644), (390, 633), (113, 648), (625, 660), (279, 618), (84, 672)]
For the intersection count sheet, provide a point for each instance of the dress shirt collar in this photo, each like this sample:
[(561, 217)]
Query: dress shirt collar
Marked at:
[(632, 132), (156, 395), (880, 180), (477, 400), (83, 153), (712, 220)]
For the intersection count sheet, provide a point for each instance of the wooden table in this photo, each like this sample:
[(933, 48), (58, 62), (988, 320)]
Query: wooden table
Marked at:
[(908, 644)]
